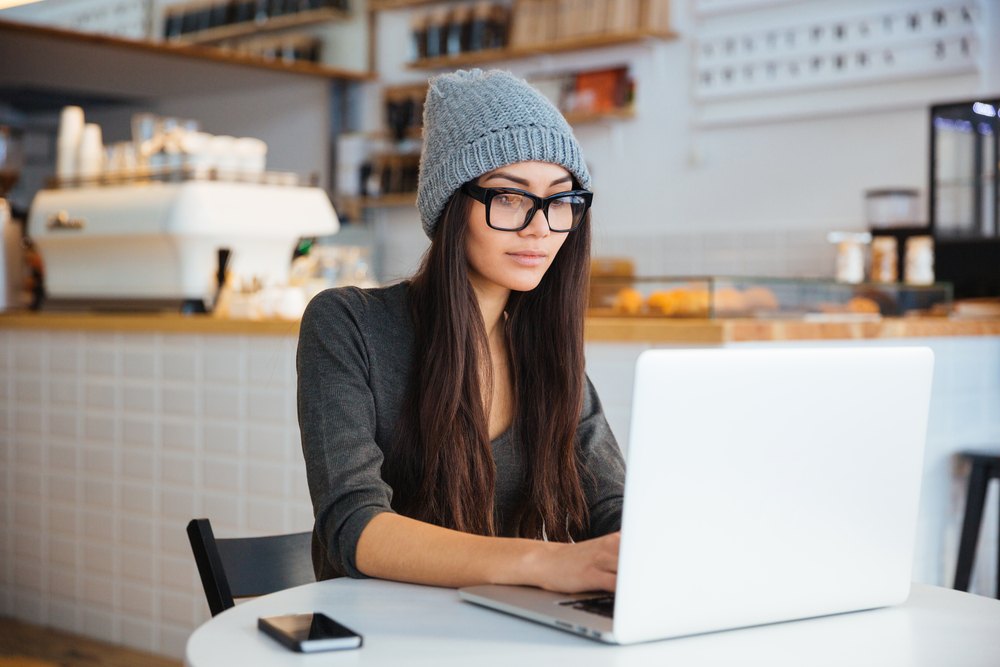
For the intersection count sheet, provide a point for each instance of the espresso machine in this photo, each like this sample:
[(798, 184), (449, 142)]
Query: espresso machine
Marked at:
[(166, 245)]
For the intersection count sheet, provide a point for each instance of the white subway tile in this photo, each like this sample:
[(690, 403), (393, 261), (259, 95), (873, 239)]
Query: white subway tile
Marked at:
[(176, 504), (98, 623), (137, 564), (138, 398), (139, 341), (173, 639), (63, 551), (188, 342), (138, 433), (99, 493), (99, 361), (139, 365), (176, 607), (221, 364), (138, 634), (137, 498), (64, 359), (293, 445), (296, 483), (63, 582), (64, 489), (100, 559), (179, 366), (265, 480), (265, 516), (28, 484), (268, 405), (99, 461), (28, 545), (64, 615), (99, 429), (221, 475), (178, 574), (179, 400), (136, 599), (28, 389), (137, 532), (179, 470), (298, 517), (28, 453), (64, 457), (28, 421), (93, 339), (99, 395), (178, 435), (98, 526), (29, 576), (266, 443), (28, 358), (221, 402), (270, 363), (64, 520), (223, 511), (28, 515), (138, 464), (64, 424), (173, 537), (220, 438)]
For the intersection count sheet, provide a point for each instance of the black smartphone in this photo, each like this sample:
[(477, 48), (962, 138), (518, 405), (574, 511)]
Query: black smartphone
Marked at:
[(307, 633)]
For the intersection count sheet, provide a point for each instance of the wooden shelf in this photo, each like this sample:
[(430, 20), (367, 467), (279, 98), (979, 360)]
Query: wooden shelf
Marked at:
[(250, 28), (24, 38), (560, 46), (353, 207)]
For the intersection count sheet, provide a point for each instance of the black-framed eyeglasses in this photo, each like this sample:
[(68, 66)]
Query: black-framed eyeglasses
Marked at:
[(511, 210)]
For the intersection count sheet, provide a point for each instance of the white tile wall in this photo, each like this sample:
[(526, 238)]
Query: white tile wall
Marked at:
[(109, 444)]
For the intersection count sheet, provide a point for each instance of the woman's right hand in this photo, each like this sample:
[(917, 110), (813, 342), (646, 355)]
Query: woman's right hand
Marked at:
[(577, 567)]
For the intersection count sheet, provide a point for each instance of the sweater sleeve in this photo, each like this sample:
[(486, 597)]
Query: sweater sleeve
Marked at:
[(603, 466), (337, 421)]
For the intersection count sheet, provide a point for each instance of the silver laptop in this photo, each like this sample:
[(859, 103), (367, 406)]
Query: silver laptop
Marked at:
[(762, 485)]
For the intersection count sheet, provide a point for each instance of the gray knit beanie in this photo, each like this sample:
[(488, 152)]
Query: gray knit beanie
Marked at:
[(475, 122)]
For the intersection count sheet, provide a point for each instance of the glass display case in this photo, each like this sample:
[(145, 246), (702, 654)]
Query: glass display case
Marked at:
[(723, 297)]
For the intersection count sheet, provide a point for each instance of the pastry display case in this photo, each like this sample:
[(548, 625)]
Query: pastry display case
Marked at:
[(725, 297)]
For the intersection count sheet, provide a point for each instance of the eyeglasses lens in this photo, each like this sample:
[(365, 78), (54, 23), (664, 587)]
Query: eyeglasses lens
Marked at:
[(510, 210)]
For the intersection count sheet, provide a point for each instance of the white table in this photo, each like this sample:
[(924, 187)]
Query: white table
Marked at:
[(417, 625)]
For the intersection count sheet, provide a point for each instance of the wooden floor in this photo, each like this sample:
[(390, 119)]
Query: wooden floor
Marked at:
[(26, 645)]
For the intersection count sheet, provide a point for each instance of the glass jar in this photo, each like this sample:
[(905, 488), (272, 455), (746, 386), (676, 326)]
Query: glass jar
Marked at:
[(919, 262), (884, 268)]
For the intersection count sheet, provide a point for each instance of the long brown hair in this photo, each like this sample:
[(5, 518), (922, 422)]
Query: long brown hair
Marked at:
[(441, 464)]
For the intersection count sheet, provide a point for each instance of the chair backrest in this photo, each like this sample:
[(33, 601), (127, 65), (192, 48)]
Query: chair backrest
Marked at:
[(248, 566)]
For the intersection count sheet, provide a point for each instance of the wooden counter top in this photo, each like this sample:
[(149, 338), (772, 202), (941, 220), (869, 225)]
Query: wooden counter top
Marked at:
[(663, 330), (598, 329)]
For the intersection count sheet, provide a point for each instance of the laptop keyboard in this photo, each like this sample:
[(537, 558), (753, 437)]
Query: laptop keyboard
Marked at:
[(603, 605)]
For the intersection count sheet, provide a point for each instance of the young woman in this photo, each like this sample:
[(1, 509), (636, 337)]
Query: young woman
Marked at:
[(450, 434)]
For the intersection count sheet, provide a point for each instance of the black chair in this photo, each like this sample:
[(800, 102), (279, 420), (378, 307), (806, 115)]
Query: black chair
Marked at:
[(985, 467), (248, 566)]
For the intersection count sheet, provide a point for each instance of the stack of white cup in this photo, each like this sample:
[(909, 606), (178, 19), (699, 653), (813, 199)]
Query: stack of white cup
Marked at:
[(79, 147), (68, 143)]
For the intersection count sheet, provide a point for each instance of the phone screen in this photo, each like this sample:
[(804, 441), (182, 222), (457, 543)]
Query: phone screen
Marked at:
[(310, 632)]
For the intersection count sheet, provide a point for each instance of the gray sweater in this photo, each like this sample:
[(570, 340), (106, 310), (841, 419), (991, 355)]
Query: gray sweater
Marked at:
[(354, 359)]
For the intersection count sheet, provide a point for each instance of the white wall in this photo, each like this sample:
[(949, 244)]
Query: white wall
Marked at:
[(684, 191)]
